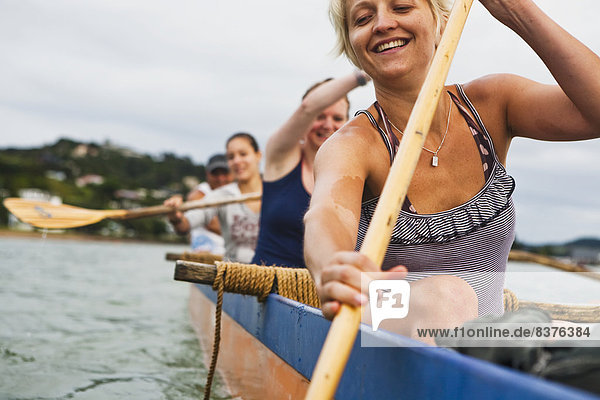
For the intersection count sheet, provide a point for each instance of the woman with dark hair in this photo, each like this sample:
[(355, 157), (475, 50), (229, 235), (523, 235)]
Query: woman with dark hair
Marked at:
[(239, 221), (288, 175)]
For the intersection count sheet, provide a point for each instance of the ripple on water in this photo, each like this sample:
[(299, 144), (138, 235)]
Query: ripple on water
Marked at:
[(91, 320)]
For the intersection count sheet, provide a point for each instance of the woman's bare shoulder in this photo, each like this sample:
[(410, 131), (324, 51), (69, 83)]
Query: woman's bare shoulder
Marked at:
[(356, 131), (493, 88), (353, 138), (491, 96), (355, 149)]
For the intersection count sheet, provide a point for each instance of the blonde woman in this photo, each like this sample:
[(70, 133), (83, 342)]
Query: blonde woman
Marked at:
[(455, 230)]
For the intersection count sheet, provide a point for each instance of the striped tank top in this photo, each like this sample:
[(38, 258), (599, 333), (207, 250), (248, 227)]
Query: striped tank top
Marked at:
[(470, 241)]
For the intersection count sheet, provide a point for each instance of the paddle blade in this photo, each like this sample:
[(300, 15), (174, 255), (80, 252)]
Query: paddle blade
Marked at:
[(43, 214)]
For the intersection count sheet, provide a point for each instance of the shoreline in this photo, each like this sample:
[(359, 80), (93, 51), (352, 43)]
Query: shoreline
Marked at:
[(10, 233)]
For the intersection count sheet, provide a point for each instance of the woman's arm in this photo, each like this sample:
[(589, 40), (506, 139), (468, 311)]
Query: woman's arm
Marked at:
[(331, 222), (568, 111), (283, 148), (342, 166), (177, 219), (213, 225), (184, 222)]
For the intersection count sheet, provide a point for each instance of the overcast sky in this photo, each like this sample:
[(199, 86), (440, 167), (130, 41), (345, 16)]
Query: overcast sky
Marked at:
[(181, 76)]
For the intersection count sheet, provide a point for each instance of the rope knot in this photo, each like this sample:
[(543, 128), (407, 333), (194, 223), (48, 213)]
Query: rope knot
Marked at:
[(511, 302)]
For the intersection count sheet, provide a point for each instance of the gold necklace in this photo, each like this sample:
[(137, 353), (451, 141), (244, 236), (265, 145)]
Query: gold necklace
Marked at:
[(435, 159)]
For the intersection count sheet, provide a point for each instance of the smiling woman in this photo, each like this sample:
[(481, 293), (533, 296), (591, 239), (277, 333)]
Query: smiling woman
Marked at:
[(456, 225), (288, 177), (338, 12), (238, 222)]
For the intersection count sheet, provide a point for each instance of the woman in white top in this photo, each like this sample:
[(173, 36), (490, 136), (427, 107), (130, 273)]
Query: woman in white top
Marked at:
[(239, 222)]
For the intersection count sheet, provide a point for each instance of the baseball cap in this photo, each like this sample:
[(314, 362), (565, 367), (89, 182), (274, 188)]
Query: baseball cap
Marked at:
[(217, 161)]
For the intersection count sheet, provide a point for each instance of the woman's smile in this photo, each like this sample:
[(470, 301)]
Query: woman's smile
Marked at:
[(389, 45)]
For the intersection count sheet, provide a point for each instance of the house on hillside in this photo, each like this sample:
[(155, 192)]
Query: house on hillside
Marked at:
[(585, 255), (83, 150), (56, 175), (90, 179)]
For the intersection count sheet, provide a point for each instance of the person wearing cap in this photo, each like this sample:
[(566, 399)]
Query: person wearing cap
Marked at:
[(207, 238), (217, 175)]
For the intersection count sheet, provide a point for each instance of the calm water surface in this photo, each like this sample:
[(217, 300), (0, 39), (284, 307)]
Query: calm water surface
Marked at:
[(99, 320), (548, 285), (95, 320)]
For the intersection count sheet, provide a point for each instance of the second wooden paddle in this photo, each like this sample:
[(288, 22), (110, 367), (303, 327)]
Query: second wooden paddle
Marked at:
[(43, 214)]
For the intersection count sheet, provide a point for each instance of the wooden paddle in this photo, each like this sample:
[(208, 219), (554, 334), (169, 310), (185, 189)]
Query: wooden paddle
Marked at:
[(47, 215), (524, 256), (197, 257), (342, 333)]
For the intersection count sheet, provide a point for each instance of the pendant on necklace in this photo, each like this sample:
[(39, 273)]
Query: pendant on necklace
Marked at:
[(434, 160)]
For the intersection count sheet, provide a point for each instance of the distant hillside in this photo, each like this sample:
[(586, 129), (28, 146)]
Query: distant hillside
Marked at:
[(129, 169), (105, 176), (592, 243), (95, 175), (584, 250)]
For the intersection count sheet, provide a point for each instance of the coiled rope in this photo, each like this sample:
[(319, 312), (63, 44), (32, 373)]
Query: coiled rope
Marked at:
[(564, 312), (220, 288), (259, 281)]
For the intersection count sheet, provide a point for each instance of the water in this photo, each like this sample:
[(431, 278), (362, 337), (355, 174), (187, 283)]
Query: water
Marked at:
[(95, 320), (543, 284), (99, 320)]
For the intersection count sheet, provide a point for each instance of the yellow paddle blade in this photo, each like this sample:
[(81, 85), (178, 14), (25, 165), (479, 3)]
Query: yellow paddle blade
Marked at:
[(43, 214)]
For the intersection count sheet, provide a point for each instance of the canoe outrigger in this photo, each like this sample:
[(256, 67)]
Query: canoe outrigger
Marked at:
[(270, 348)]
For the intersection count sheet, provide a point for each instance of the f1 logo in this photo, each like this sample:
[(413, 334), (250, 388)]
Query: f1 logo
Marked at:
[(389, 299)]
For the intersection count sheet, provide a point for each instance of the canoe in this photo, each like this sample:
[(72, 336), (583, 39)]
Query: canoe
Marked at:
[(269, 349)]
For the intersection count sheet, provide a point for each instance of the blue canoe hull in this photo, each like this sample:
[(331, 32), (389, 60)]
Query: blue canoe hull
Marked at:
[(295, 333)]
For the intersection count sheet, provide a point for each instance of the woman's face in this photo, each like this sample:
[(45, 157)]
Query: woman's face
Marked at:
[(329, 121), (243, 161), (392, 37)]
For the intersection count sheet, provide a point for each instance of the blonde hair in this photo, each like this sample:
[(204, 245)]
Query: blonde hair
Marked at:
[(339, 20)]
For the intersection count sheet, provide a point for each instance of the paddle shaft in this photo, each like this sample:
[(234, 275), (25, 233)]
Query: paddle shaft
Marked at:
[(190, 205), (344, 327), (519, 255)]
